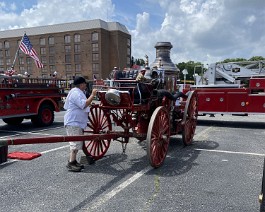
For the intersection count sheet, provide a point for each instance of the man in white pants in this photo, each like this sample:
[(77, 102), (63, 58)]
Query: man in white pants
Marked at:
[(76, 118)]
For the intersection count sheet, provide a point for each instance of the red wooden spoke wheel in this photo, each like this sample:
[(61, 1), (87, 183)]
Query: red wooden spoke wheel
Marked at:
[(190, 118), (99, 123), (158, 137)]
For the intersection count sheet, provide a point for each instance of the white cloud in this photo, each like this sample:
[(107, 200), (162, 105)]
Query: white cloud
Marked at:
[(250, 19), (199, 30)]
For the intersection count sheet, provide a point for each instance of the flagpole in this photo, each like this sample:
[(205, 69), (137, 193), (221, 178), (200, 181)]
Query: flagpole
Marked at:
[(13, 65)]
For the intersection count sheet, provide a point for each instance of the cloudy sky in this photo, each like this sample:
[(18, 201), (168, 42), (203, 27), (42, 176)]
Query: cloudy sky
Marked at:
[(200, 30)]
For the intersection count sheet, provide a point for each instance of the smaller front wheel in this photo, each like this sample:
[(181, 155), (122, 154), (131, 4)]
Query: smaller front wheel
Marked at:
[(158, 136), (99, 123)]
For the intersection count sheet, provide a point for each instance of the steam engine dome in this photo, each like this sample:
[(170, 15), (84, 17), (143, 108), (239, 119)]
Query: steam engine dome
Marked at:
[(163, 58)]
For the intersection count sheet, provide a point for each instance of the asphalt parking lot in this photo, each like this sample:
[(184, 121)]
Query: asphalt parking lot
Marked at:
[(221, 171)]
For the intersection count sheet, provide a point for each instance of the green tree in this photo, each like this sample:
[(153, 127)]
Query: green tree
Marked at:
[(139, 62), (256, 58), (232, 60), (191, 67)]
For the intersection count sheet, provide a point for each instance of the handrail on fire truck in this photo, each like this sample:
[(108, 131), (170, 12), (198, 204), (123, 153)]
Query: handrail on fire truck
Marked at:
[(230, 74)]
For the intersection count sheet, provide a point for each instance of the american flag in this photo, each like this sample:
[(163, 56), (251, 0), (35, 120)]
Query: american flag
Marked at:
[(27, 48), (10, 72)]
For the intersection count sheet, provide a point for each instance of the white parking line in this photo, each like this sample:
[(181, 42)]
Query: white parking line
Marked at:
[(231, 152), (101, 200), (116, 190), (55, 149)]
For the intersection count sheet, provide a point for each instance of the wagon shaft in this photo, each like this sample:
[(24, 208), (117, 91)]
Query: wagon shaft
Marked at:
[(57, 139)]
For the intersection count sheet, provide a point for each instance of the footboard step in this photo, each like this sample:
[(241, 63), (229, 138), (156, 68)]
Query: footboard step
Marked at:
[(23, 155)]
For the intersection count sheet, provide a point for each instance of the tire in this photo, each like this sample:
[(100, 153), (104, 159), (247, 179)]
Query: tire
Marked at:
[(158, 136), (190, 119), (99, 123), (13, 121), (45, 116)]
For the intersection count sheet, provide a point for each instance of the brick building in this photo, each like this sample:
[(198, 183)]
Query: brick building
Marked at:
[(84, 48)]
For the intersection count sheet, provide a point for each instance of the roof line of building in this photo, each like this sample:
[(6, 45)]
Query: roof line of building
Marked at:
[(65, 27)]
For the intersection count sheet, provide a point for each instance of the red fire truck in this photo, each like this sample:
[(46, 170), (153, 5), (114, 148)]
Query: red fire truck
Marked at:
[(236, 88), (22, 97)]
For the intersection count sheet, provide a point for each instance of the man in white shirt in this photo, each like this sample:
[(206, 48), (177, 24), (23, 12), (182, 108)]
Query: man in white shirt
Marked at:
[(76, 118)]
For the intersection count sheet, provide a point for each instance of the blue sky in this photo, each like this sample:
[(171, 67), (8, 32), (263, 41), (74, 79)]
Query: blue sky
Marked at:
[(200, 30)]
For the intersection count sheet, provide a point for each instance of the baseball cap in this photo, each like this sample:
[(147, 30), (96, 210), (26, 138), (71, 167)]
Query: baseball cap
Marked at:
[(79, 80)]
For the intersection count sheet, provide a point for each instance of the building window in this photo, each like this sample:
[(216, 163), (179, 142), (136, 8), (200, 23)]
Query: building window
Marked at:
[(78, 74), (29, 60), (69, 76), (1, 62), (7, 45), (22, 69), (42, 41), (44, 76), (94, 47), (77, 58), (1, 45), (95, 67), (51, 40), (20, 52), (77, 38), (95, 57), (51, 50), (78, 68), (68, 68), (67, 49), (42, 50), (128, 51), (29, 69), (52, 69), (94, 36), (67, 58), (7, 53), (128, 42), (128, 61), (67, 38), (21, 61), (51, 60), (77, 48), (8, 61), (1, 53), (43, 60), (44, 69)]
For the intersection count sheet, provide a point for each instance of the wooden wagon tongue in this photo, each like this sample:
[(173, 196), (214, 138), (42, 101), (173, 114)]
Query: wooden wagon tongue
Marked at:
[(4, 143)]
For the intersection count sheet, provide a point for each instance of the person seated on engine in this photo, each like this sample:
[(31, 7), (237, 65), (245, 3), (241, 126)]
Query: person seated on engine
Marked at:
[(142, 92), (145, 77), (140, 77)]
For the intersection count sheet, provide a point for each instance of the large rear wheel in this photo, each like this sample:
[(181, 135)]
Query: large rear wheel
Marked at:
[(99, 123), (158, 136), (190, 116), (45, 116)]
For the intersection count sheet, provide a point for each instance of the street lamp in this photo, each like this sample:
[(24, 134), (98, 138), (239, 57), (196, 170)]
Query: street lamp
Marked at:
[(184, 72)]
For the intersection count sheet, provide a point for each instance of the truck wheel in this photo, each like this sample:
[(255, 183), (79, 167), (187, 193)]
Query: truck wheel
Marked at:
[(13, 121), (45, 116)]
